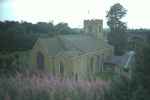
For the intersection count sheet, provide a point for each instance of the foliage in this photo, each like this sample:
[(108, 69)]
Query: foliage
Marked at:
[(8, 69), (140, 79), (63, 28), (137, 37), (117, 36), (137, 87), (119, 89), (104, 76), (139, 31), (49, 88), (22, 35)]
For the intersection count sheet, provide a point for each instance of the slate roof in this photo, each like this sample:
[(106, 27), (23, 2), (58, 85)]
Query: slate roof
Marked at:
[(122, 60), (73, 44)]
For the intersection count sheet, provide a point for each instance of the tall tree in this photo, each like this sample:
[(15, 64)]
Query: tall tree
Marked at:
[(137, 86), (117, 36), (141, 75), (119, 89)]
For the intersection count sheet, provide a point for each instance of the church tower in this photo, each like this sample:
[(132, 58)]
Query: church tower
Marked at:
[(94, 28)]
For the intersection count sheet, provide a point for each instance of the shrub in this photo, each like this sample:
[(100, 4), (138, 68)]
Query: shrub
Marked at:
[(49, 88)]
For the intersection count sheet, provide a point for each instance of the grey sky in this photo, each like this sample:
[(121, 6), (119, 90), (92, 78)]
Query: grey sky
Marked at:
[(73, 11)]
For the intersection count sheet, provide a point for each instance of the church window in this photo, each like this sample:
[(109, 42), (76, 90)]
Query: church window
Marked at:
[(76, 76), (102, 62), (90, 28), (100, 29), (91, 64), (61, 68), (40, 60), (98, 63)]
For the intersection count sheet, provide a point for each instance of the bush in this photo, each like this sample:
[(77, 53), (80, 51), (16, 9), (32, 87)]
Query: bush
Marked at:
[(49, 88)]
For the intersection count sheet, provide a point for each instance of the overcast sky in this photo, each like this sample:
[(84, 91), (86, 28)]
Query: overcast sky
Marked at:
[(73, 11)]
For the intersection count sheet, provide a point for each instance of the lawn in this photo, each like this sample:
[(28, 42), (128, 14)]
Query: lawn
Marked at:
[(104, 75)]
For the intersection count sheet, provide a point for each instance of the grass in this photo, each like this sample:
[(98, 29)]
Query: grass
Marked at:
[(104, 76), (49, 88)]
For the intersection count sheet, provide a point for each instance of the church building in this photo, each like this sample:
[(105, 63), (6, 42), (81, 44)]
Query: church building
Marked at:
[(76, 56), (79, 56)]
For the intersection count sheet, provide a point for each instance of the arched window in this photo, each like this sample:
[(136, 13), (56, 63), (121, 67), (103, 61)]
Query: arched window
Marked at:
[(76, 76), (102, 62), (40, 60), (91, 64), (98, 67), (61, 68), (90, 29), (100, 28)]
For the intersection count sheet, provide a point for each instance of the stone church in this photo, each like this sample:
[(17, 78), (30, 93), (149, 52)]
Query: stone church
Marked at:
[(78, 56)]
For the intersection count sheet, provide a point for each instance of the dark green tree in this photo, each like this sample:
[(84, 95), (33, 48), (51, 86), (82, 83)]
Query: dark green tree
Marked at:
[(117, 36), (119, 89), (140, 78), (137, 86), (63, 28)]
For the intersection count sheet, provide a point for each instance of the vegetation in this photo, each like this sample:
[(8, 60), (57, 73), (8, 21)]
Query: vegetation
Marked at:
[(118, 90), (117, 36), (139, 31), (140, 80), (104, 76), (49, 88), (16, 35), (21, 36), (137, 87), (137, 37)]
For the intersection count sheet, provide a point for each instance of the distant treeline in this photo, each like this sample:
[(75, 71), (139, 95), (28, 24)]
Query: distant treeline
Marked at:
[(22, 35), (139, 31), (20, 28), (134, 31)]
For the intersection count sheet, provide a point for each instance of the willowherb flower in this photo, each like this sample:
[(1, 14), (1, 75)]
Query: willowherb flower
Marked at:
[(49, 87)]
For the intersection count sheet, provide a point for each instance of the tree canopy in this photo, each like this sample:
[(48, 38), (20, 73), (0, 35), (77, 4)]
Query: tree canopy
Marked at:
[(117, 36), (22, 35), (137, 86)]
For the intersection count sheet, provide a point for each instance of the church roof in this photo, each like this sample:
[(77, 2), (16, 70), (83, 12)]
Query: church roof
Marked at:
[(72, 44), (122, 60)]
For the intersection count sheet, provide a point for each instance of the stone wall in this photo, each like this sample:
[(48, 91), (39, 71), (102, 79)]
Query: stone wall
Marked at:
[(94, 28)]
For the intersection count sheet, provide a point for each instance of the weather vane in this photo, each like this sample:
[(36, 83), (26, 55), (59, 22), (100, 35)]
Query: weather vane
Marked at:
[(88, 14)]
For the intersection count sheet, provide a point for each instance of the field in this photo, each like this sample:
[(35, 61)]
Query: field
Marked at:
[(50, 88)]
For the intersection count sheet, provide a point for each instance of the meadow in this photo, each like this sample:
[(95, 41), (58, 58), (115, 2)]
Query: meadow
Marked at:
[(45, 87)]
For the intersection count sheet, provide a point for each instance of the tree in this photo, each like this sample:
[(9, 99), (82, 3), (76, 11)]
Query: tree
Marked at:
[(117, 36), (63, 28), (137, 87), (141, 75)]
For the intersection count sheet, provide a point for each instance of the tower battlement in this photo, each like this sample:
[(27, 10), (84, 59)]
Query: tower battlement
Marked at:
[(94, 28)]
